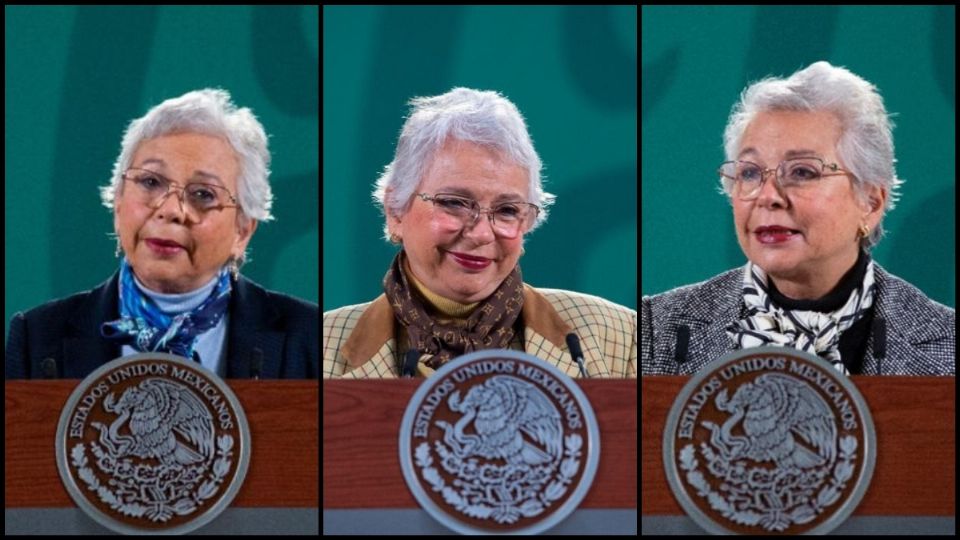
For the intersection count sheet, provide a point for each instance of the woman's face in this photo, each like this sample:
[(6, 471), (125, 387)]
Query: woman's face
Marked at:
[(173, 248), (462, 263), (824, 217)]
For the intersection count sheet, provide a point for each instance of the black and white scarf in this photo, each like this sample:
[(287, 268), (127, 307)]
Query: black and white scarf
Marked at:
[(810, 331)]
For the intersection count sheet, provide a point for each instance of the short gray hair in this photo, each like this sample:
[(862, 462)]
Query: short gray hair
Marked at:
[(866, 142), (210, 112), (481, 117)]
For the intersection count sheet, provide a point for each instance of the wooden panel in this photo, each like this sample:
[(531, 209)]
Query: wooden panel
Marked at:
[(361, 423), (283, 417), (915, 417)]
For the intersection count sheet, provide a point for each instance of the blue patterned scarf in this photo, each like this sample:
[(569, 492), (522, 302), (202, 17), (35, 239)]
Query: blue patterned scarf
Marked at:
[(145, 327)]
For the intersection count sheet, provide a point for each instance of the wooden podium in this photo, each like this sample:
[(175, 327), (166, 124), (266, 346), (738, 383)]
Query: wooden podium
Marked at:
[(364, 489), (914, 482), (279, 495)]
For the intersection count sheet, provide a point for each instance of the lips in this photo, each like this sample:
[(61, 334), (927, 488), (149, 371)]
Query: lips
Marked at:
[(775, 234), (163, 242), (469, 262), (164, 248)]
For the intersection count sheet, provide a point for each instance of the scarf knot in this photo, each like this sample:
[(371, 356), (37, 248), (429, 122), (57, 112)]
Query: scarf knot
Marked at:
[(147, 328), (809, 331)]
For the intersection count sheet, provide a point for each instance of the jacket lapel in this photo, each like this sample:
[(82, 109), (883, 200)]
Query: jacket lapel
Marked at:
[(252, 345), (87, 351)]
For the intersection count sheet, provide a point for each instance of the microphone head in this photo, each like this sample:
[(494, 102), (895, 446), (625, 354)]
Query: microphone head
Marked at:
[(573, 343)]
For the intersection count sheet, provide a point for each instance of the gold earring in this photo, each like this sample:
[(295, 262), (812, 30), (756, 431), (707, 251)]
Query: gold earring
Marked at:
[(864, 231), (394, 239)]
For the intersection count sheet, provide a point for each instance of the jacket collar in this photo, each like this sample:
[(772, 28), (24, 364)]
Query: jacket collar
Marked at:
[(376, 330), (708, 338), (250, 343)]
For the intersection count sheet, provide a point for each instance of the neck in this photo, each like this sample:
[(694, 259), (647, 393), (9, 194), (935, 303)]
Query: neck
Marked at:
[(813, 284), (446, 307)]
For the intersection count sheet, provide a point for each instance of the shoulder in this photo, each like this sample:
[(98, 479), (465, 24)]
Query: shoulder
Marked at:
[(291, 309), (341, 321), (698, 300), (909, 311), (579, 307), (40, 332)]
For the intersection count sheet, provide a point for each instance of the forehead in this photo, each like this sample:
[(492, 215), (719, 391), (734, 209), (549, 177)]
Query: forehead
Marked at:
[(775, 134), (474, 170), (185, 155)]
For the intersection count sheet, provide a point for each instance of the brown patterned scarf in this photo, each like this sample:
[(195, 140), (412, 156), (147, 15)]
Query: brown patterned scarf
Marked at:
[(490, 326)]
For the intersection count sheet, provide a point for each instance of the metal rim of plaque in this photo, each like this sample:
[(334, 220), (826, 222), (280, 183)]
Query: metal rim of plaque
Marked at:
[(791, 420), (167, 440), (544, 460)]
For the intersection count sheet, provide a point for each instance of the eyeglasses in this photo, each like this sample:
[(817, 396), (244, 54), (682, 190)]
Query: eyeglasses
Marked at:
[(152, 188), (745, 179), (507, 219)]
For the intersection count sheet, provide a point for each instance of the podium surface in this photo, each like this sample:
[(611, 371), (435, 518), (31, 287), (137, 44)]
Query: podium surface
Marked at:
[(364, 489), (280, 493), (914, 482)]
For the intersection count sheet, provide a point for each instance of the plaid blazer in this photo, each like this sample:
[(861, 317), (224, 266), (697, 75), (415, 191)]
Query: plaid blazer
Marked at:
[(360, 341), (920, 333)]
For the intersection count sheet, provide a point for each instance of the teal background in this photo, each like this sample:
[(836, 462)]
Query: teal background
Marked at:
[(76, 76), (697, 60), (571, 71)]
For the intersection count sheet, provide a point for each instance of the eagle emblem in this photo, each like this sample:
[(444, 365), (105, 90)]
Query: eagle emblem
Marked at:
[(501, 441), (769, 440), (152, 443)]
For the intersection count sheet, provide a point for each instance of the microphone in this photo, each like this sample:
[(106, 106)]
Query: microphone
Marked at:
[(683, 344), (256, 364), (880, 342), (49, 368), (409, 367), (573, 343)]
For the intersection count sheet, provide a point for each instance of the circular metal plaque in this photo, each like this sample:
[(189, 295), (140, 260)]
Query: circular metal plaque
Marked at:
[(152, 444), (769, 440), (499, 441)]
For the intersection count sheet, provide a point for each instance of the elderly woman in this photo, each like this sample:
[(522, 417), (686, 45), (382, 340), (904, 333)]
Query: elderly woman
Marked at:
[(810, 174), (188, 189), (460, 195)]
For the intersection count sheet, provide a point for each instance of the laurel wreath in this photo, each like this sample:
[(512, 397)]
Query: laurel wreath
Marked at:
[(157, 511), (775, 519), (530, 507)]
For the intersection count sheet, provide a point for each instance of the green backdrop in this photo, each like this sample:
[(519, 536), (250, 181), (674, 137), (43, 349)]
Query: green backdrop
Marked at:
[(74, 78), (571, 71), (697, 60)]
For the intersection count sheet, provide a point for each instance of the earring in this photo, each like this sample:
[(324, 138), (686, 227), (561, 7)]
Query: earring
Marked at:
[(118, 250), (233, 268), (864, 231), (394, 239)]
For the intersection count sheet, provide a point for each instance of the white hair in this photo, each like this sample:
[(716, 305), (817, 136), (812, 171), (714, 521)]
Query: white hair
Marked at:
[(210, 112), (485, 118), (866, 142)]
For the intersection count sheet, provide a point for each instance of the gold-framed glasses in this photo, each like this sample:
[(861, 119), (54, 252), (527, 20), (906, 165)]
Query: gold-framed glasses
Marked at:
[(507, 219), (744, 179), (152, 188)]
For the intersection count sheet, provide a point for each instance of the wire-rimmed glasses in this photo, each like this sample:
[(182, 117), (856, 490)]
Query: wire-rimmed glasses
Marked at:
[(152, 188), (507, 219), (744, 179)]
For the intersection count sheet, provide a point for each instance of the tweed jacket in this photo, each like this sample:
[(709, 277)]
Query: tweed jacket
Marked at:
[(360, 341), (920, 334)]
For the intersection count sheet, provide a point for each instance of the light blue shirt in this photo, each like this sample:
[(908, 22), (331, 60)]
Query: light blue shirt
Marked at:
[(210, 344)]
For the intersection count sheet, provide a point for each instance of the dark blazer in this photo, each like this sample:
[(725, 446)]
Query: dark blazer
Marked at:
[(280, 329), (684, 329)]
